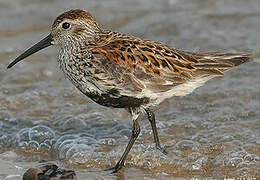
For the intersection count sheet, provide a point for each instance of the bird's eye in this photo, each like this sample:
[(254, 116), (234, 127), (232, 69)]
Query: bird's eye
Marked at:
[(65, 25)]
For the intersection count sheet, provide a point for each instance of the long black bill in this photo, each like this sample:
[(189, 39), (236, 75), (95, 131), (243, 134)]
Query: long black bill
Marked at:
[(37, 47)]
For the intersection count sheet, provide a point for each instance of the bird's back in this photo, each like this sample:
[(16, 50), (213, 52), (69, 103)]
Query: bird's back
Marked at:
[(147, 69)]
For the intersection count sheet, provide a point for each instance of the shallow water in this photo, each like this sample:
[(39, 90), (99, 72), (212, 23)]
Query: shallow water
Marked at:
[(212, 133)]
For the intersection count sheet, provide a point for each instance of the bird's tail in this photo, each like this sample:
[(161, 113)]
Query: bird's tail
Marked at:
[(233, 59), (218, 63)]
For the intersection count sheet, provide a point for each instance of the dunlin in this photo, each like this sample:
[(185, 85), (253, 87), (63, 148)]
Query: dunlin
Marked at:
[(122, 71)]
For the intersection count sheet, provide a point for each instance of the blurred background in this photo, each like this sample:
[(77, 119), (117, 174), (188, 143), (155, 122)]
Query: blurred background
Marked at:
[(212, 133)]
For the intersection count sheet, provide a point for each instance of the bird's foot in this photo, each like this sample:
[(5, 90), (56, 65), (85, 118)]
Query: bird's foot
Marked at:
[(163, 150), (115, 169), (49, 171)]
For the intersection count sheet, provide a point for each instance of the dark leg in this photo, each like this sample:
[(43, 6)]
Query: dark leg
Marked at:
[(135, 133), (151, 118)]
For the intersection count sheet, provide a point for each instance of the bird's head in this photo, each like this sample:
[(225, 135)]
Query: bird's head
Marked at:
[(74, 26), (69, 29)]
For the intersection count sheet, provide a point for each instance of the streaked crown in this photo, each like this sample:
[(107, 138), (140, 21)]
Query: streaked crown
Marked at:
[(74, 26)]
